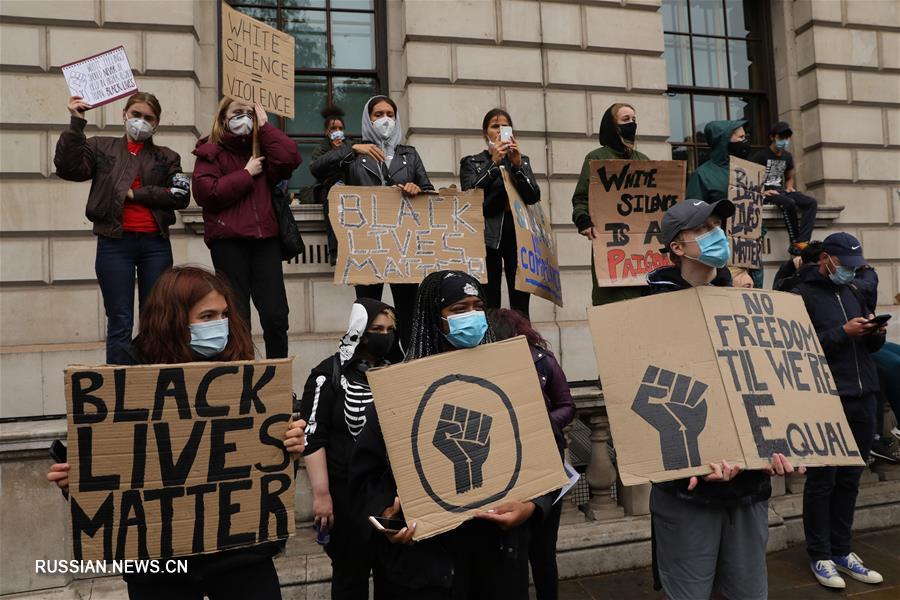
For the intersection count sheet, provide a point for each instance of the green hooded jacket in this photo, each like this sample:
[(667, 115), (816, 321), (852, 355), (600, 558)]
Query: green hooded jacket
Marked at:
[(612, 149), (710, 181)]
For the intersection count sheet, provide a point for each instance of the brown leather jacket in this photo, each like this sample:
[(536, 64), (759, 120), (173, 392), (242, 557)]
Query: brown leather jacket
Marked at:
[(111, 169)]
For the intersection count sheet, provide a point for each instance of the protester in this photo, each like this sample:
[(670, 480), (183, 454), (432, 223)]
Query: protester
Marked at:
[(236, 169), (840, 315), (328, 175), (561, 408), (334, 403), (136, 187), (483, 558), (780, 190), (483, 171), (791, 272), (381, 160), (709, 533), (618, 131), (188, 317)]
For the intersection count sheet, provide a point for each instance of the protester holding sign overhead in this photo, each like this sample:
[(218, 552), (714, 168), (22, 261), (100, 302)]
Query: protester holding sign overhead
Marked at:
[(189, 317), (843, 322), (381, 160), (136, 187), (618, 131), (709, 533), (334, 404), (483, 171), (237, 166), (486, 557)]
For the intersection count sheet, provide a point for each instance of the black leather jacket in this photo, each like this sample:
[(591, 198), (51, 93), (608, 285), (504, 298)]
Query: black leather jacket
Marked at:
[(478, 171), (406, 167)]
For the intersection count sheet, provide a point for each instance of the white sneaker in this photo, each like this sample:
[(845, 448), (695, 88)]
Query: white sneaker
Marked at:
[(827, 575), (896, 433), (852, 566)]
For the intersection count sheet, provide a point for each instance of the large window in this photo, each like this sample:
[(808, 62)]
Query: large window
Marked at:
[(340, 58), (718, 66)]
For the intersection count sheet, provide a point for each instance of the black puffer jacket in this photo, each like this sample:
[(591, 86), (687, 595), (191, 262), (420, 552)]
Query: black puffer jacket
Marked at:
[(406, 167), (479, 171), (747, 488), (830, 306)]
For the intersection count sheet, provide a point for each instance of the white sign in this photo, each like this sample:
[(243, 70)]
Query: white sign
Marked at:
[(102, 78)]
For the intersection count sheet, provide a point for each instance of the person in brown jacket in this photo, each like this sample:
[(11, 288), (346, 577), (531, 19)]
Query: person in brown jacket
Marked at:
[(236, 169), (136, 187)]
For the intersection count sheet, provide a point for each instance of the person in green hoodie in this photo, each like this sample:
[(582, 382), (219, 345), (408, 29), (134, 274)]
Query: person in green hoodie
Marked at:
[(617, 134)]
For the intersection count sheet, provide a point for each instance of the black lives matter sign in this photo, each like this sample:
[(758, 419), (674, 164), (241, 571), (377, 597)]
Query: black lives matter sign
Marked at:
[(174, 460)]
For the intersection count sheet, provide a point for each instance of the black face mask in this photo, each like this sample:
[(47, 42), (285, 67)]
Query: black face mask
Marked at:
[(628, 131), (379, 344), (739, 149)]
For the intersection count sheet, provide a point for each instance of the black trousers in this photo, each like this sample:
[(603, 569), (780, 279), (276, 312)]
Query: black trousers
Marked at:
[(404, 301), (829, 497), (542, 554), (351, 553), (505, 259), (258, 581), (790, 203), (253, 269)]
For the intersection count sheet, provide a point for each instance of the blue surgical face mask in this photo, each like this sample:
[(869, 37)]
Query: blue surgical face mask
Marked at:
[(714, 248), (842, 275), (209, 338), (466, 330), (782, 144)]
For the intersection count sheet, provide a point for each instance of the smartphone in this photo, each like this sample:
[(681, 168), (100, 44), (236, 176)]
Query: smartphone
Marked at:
[(58, 451), (880, 319), (387, 525), (323, 533), (505, 133)]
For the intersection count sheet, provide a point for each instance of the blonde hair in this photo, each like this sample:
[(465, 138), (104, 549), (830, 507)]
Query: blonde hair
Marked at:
[(615, 108), (217, 133)]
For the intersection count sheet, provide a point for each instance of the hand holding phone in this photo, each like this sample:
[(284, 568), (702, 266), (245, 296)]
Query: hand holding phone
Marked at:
[(387, 525), (58, 452), (506, 133), (880, 320)]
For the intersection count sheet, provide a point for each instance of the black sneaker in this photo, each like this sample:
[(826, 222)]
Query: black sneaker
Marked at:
[(886, 449)]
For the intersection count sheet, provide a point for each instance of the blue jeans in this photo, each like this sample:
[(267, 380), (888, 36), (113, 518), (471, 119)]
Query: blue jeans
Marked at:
[(117, 260)]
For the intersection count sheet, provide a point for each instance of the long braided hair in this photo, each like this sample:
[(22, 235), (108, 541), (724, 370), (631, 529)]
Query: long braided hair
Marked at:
[(427, 336)]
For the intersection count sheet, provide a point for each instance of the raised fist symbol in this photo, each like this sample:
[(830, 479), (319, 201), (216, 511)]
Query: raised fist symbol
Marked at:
[(463, 436), (674, 405)]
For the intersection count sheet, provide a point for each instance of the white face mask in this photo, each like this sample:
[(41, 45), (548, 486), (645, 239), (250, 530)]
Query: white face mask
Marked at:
[(384, 126), (138, 129), (240, 124)]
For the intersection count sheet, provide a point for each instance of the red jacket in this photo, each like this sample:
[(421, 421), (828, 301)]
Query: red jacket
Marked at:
[(235, 204)]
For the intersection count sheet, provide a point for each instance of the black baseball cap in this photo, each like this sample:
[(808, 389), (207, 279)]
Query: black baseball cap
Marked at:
[(781, 128), (845, 247), (688, 214)]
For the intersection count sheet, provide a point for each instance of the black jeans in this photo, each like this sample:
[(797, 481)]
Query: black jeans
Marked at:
[(829, 497), (404, 302), (258, 581), (350, 550), (790, 203), (148, 254), (542, 554), (253, 268), (505, 258)]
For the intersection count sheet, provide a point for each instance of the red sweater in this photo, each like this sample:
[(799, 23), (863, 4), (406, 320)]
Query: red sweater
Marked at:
[(137, 216)]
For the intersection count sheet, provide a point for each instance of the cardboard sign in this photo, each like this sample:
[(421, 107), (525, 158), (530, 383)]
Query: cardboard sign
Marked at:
[(257, 63), (707, 374), (744, 230), (466, 431), (627, 201), (174, 460), (102, 78), (387, 237), (538, 269)]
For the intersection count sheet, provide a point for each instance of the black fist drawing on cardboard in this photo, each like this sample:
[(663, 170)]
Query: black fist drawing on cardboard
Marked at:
[(463, 436)]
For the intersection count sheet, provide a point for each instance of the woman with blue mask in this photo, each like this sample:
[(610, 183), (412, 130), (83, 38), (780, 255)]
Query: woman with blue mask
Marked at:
[(486, 557), (187, 318)]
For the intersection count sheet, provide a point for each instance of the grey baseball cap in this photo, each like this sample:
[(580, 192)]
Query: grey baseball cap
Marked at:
[(688, 214)]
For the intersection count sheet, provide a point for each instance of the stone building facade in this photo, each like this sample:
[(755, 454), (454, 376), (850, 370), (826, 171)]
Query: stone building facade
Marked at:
[(555, 65)]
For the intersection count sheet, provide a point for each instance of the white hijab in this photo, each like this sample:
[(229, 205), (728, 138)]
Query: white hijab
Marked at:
[(370, 135)]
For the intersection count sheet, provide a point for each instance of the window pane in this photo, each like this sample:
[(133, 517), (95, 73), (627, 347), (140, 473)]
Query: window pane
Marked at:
[(710, 66), (707, 17), (308, 29), (303, 3), (351, 94), (675, 15), (746, 65), (680, 118), (239, 4), (753, 109), (353, 40), (353, 4), (734, 14), (302, 177), (310, 96), (678, 60), (706, 109), (682, 153), (269, 16)]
